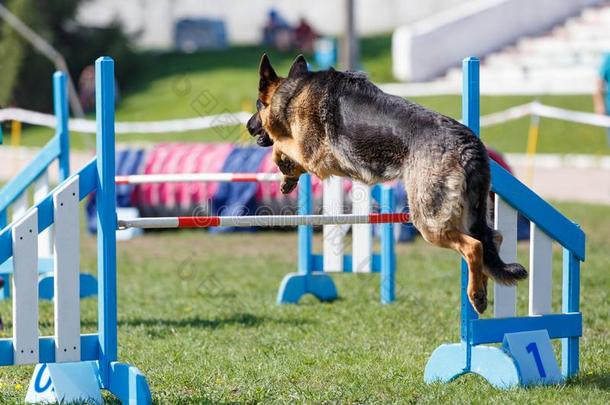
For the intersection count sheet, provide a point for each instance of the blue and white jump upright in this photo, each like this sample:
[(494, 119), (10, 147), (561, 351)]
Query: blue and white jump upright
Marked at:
[(313, 269), (505, 367), (74, 366)]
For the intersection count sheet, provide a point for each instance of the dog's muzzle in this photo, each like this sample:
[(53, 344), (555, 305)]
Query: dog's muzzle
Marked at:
[(255, 128)]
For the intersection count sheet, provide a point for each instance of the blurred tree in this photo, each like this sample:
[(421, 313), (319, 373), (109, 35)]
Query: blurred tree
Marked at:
[(25, 75), (13, 48)]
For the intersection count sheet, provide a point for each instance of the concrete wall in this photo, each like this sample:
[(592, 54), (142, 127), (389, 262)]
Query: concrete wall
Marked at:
[(154, 19), (428, 48)]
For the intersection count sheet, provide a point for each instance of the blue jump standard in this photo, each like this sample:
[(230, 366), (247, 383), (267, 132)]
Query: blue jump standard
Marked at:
[(496, 365), (311, 279), (306, 281), (123, 380)]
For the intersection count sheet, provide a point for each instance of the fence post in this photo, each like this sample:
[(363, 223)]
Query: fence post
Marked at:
[(106, 216), (570, 303), (388, 255), (470, 117), (60, 97), (305, 231)]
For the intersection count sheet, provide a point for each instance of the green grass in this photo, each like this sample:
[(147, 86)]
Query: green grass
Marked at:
[(179, 86), (197, 314)]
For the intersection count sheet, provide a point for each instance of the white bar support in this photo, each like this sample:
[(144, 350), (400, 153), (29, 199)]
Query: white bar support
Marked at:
[(333, 246), (505, 220), (25, 289), (362, 234), (45, 239), (541, 272), (67, 272)]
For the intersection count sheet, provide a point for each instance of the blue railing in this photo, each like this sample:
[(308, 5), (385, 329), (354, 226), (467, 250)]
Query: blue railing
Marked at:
[(544, 215), (87, 184)]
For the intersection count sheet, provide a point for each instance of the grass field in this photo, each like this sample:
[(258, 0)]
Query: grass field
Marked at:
[(182, 86), (197, 315)]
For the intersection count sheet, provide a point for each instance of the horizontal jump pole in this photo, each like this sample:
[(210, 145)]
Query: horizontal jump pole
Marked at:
[(260, 220), (198, 177)]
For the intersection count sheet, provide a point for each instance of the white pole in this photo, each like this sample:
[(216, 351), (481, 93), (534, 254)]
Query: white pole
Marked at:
[(259, 220), (198, 177)]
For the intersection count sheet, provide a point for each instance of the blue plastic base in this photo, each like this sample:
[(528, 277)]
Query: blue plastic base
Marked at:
[(80, 381), (128, 384), (447, 362), (295, 285), (65, 383)]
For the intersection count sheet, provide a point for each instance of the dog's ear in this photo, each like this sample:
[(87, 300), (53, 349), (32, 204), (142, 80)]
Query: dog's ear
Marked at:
[(299, 66), (266, 72)]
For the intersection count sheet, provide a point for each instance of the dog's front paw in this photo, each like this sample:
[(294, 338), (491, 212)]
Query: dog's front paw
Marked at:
[(288, 185), (287, 166)]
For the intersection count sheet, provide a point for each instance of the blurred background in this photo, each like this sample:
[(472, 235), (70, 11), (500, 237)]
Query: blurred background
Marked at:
[(544, 64)]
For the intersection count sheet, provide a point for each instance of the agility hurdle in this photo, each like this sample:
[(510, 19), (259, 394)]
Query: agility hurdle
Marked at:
[(333, 258), (259, 220), (521, 360), (34, 178), (312, 275)]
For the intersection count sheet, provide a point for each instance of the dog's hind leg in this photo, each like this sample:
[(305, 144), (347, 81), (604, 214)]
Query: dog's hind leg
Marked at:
[(471, 250), (289, 168)]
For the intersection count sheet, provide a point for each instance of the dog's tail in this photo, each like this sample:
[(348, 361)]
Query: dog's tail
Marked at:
[(493, 265)]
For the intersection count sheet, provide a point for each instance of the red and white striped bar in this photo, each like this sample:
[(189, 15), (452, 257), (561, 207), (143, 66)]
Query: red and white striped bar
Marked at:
[(198, 177), (260, 220)]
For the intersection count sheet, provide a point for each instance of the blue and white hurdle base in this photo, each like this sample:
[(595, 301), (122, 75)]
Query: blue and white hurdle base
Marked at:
[(295, 285), (525, 358)]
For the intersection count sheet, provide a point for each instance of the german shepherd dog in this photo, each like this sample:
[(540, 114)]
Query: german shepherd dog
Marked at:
[(338, 123)]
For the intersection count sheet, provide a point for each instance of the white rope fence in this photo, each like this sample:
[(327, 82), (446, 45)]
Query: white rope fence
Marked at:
[(545, 111), (143, 127), (239, 118)]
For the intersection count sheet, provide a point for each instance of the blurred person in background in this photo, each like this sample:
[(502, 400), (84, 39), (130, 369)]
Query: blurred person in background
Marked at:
[(86, 89), (277, 32), (601, 97), (304, 36), (86, 86)]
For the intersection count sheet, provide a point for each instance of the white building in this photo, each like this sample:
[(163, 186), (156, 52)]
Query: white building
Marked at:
[(154, 20)]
